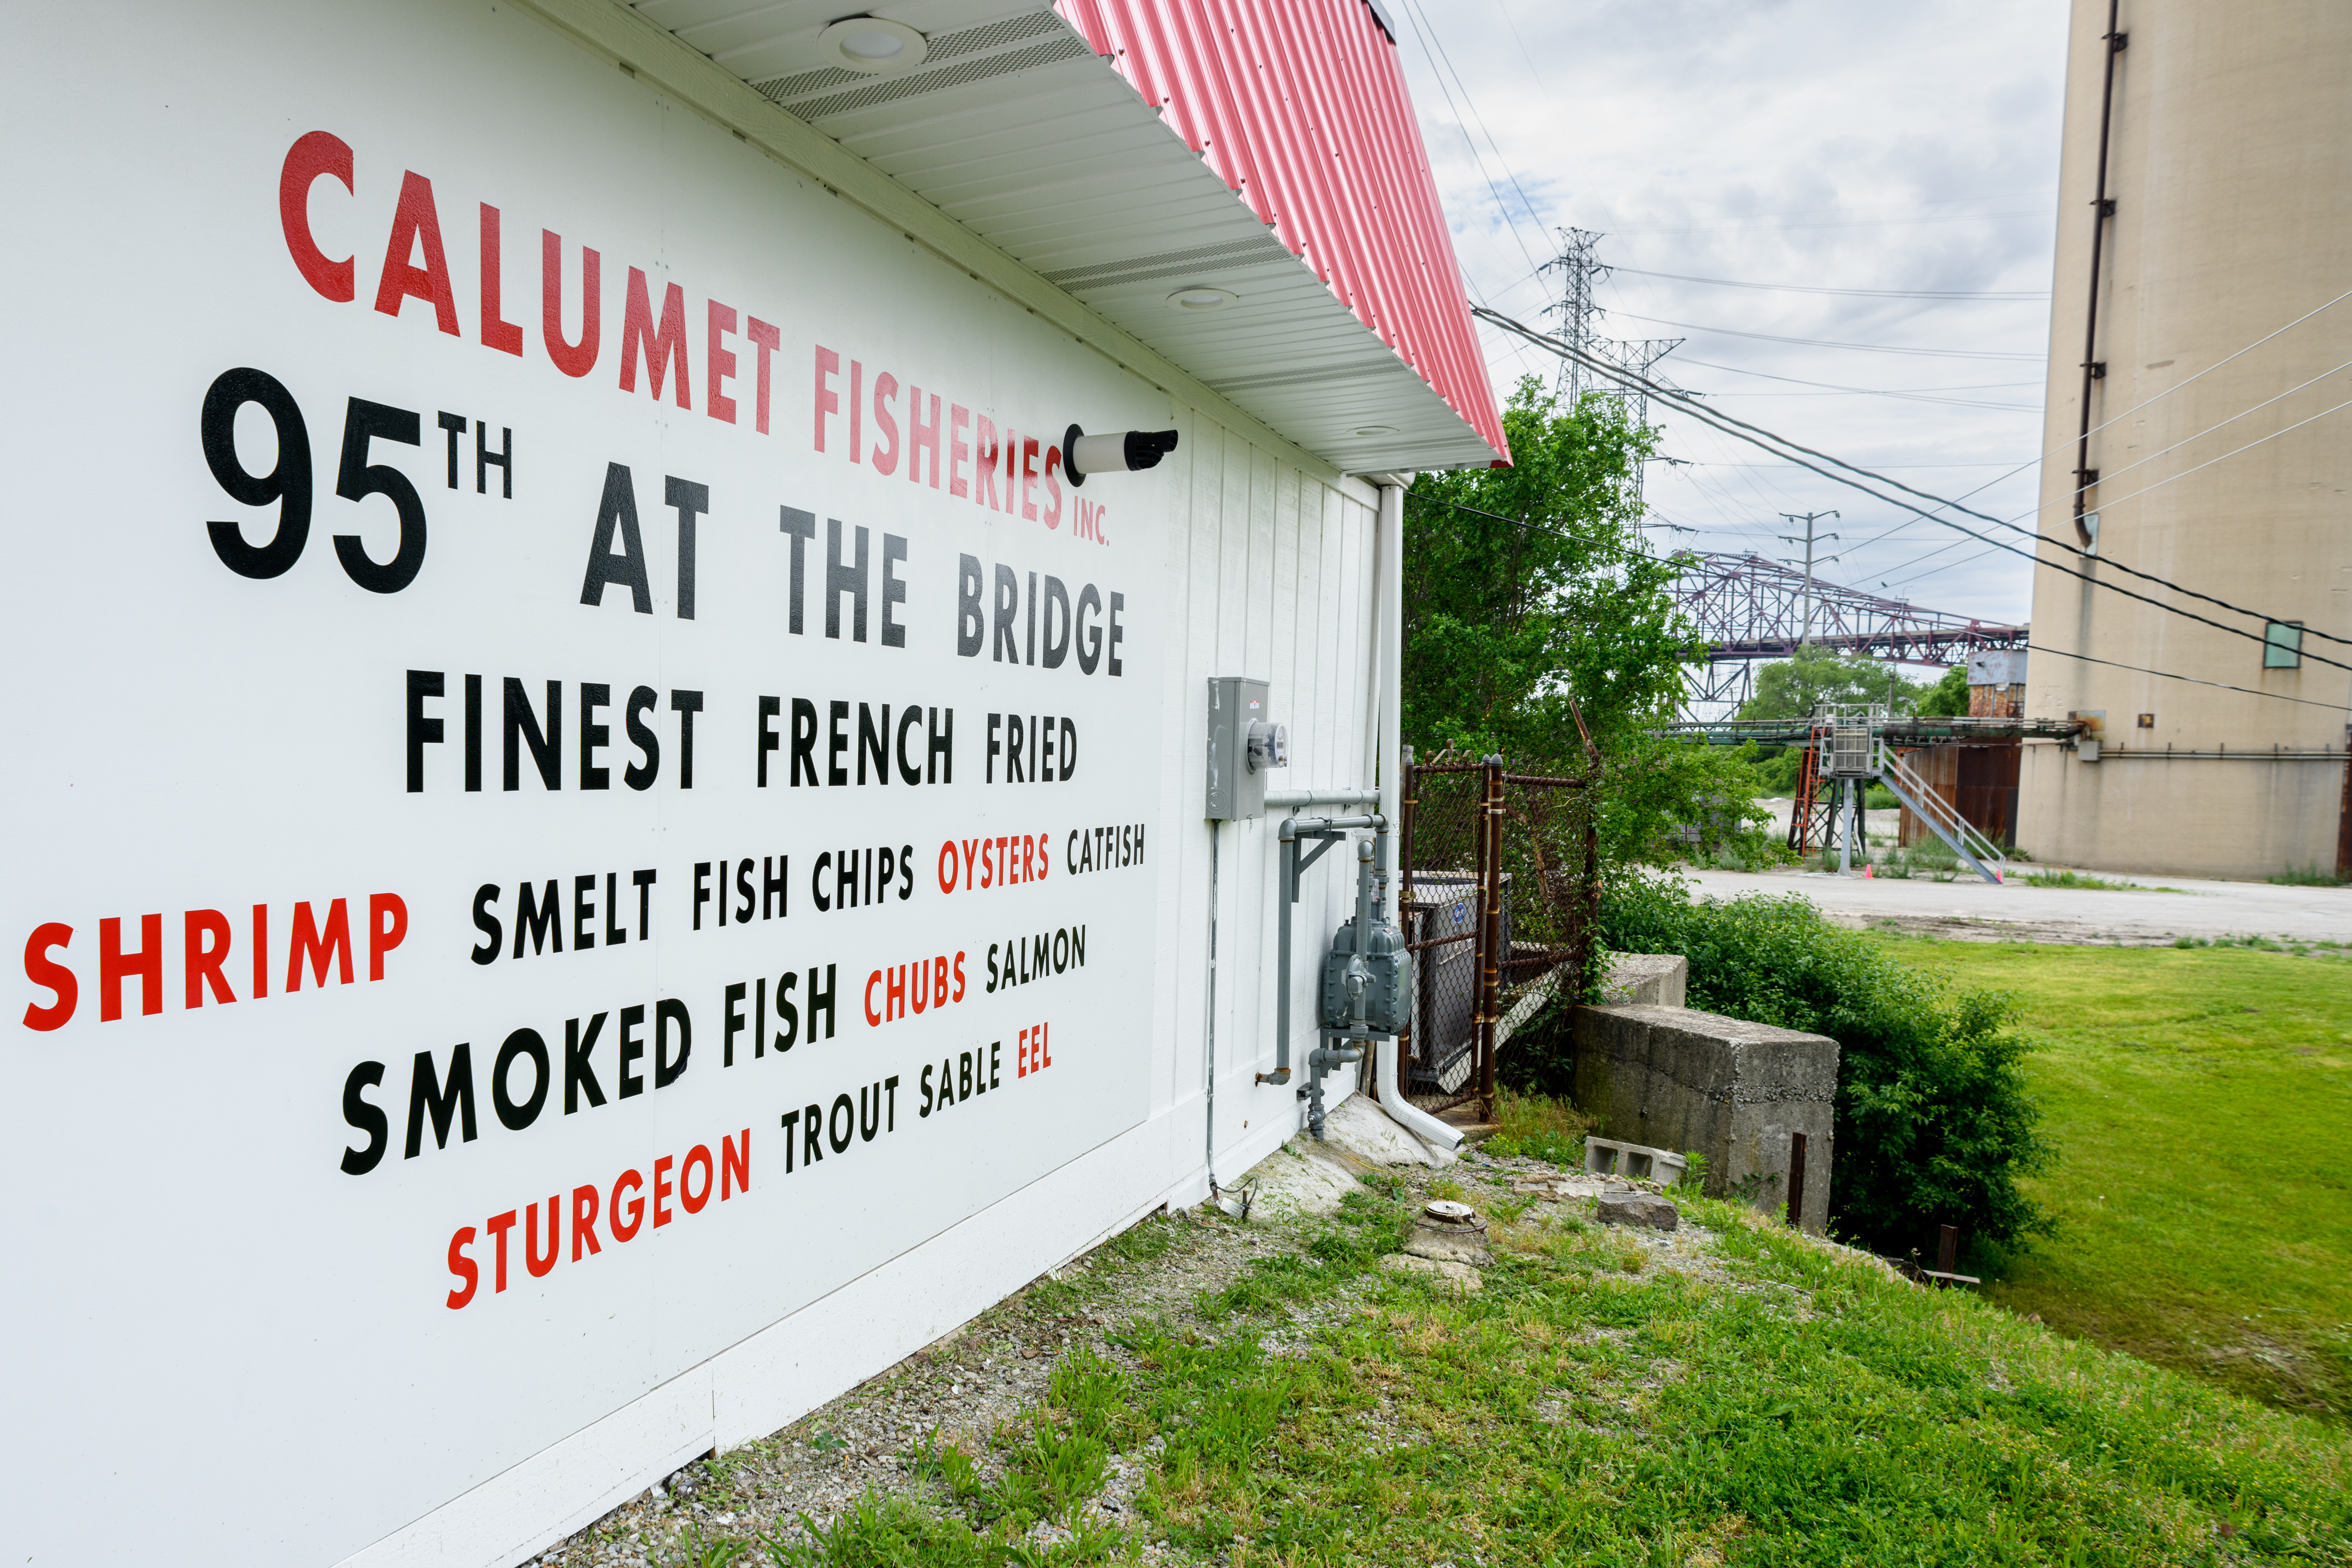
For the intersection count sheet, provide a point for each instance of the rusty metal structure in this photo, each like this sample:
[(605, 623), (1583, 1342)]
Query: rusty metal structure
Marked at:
[(1500, 901), (1748, 610)]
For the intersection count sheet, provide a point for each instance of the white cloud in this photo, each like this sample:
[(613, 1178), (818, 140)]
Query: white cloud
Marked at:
[(1825, 142)]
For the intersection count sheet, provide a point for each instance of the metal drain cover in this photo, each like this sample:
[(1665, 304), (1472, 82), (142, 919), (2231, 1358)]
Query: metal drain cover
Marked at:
[(1445, 1211)]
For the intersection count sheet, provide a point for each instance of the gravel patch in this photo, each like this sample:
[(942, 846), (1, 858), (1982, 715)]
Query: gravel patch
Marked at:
[(973, 1387)]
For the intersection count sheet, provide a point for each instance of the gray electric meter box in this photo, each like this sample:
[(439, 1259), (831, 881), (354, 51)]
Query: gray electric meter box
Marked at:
[(1388, 977), (1237, 770)]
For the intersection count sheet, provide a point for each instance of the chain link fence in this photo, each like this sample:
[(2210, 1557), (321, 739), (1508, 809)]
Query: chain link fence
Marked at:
[(1500, 897)]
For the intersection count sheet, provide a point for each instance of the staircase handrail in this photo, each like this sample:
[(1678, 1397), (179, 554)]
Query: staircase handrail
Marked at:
[(1942, 817)]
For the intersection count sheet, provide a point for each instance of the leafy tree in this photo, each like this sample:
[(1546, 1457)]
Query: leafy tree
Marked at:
[(1948, 698), (1544, 589), (1794, 687)]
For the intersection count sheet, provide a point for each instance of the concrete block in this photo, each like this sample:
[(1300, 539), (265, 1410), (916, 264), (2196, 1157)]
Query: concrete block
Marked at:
[(1669, 1078), (1637, 1208), (1660, 979), (1633, 1162)]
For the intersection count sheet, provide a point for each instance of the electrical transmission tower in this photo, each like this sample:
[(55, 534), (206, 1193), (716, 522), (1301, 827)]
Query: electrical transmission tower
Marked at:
[(1580, 268)]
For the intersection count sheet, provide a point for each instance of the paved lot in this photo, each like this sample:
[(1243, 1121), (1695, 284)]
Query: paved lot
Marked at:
[(1972, 909)]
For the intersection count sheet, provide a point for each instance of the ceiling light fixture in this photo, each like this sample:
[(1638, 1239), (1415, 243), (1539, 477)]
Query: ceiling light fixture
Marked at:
[(1373, 430), (1202, 299), (872, 46)]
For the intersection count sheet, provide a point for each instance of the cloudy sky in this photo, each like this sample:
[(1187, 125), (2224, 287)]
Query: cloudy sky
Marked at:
[(1824, 144)]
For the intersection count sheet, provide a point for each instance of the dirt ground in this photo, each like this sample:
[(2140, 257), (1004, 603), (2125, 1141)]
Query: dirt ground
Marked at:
[(2157, 913)]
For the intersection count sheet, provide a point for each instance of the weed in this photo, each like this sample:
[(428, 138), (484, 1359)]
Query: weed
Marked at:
[(1048, 1472), (696, 1551), (1144, 1243), (2050, 879), (1090, 1390), (942, 1461), (1538, 1126), (1053, 1295), (2311, 876)]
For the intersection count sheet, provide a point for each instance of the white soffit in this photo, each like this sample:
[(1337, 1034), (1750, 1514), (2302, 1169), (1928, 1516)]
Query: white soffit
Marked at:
[(1012, 127)]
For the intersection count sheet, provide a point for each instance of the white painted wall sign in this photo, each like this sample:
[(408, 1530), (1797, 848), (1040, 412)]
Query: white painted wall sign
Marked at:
[(601, 845)]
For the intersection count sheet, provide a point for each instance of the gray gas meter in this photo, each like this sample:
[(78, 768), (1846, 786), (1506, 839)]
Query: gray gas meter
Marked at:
[(1243, 745), (1388, 980)]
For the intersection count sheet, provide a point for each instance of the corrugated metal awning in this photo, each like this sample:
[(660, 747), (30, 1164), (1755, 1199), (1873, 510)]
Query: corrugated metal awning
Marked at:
[(1015, 127)]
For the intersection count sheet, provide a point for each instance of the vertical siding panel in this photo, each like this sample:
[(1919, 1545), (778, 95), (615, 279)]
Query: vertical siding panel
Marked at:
[(1327, 714), (1254, 841), (1201, 634), (1171, 879), (1307, 665), (1347, 689), (1235, 981)]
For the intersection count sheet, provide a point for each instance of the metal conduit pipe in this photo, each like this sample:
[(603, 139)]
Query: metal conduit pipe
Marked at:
[(1209, 1050), (1292, 799), (1391, 590)]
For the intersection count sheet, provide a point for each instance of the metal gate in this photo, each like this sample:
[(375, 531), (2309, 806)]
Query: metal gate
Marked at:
[(1500, 897)]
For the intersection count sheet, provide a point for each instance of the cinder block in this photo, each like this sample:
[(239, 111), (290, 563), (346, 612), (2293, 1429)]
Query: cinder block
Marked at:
[(1669, 1078), (1660, 979), (1633, 1160)]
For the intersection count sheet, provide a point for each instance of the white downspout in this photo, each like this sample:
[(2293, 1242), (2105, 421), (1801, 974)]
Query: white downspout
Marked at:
[(1390, 588)]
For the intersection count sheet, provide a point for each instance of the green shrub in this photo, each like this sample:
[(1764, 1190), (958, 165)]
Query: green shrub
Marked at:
[(1933, 1122)]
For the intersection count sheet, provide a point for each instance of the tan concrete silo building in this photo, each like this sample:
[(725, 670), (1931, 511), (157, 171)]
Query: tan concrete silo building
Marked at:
[(2218, 133)]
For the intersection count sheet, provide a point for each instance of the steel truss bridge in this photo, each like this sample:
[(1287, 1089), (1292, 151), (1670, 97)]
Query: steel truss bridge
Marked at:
[(1750, 609)]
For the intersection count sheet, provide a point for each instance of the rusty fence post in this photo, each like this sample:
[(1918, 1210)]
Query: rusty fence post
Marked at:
[(1948, 1249), (1490, 933), (1797, 1179)]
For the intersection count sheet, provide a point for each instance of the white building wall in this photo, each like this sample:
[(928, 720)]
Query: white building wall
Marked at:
[(1246, 557), (1266, 557)]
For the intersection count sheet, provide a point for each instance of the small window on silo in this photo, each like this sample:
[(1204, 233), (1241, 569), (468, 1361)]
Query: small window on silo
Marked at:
[(2283, 645)]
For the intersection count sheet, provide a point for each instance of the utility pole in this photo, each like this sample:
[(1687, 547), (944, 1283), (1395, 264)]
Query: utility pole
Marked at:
[(1809, 520)]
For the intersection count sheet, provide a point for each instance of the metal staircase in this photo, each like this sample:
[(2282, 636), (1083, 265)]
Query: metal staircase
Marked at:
[(1982, 854)]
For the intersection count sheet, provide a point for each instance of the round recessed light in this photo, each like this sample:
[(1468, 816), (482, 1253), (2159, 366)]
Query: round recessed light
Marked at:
[(1373, 430), (1202, 299), (872, 46)]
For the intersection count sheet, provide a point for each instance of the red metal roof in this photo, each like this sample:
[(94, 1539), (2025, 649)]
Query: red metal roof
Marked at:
[(1302, 109)]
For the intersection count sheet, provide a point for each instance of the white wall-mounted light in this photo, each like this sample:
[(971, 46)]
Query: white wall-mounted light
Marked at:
[(1123, 450), (872, 46), (1198, 300)]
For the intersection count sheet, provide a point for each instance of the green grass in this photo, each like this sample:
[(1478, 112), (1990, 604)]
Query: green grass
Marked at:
[(2311, 876), (1590, 1406), (2083, 880), (2201, 1100)]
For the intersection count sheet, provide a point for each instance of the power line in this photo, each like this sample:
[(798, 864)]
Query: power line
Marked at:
[(1757, 435), (2062, 653), (2110, 473), (2038, 538), (1921, 396), (1823, 343), (1849, 293), (1854, 223), (1423, 38), (2164, 674)]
